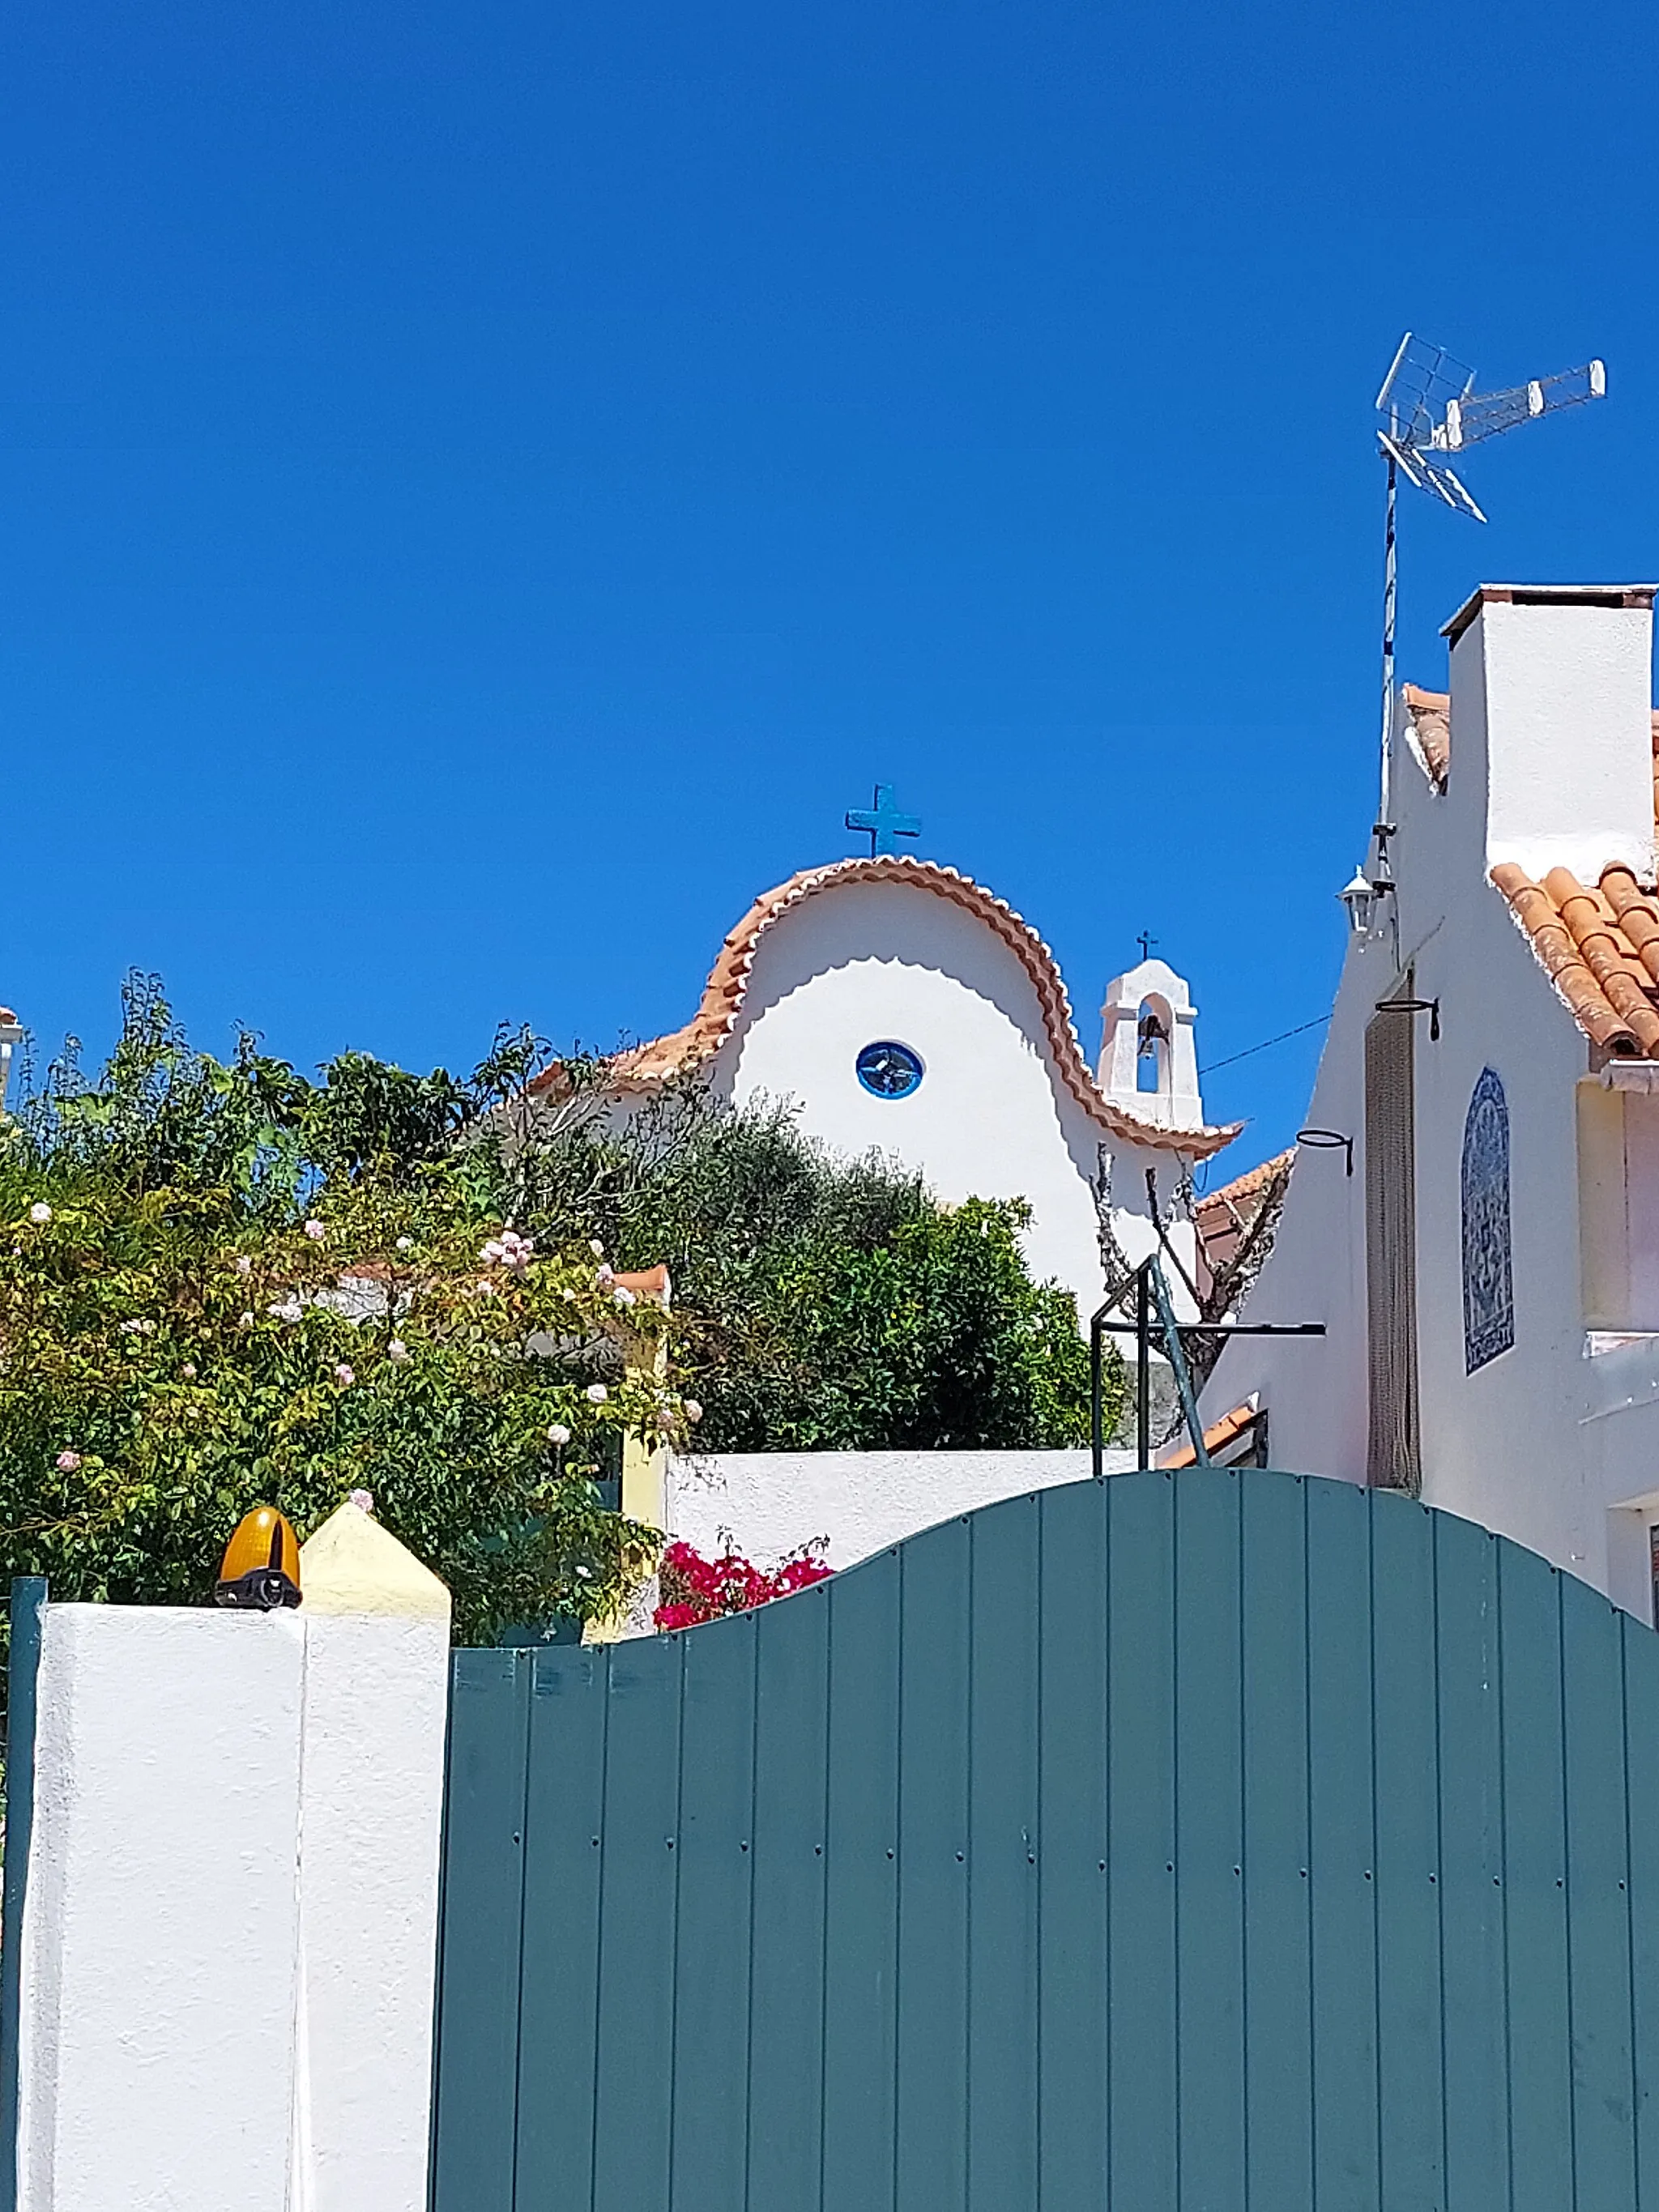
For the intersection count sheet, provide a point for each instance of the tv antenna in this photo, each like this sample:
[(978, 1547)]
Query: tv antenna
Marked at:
[(1431, 410)]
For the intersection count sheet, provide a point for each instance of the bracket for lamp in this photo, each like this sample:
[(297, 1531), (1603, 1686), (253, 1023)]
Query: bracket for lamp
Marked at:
[(1429, 1006), (1326, 1140)]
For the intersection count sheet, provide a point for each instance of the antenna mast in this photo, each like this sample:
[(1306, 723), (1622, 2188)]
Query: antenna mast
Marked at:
[(1430, 407)]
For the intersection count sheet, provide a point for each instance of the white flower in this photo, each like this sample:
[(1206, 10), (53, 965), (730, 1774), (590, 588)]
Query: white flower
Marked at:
[(188, 1371), (596, 1394), (587, 1573), (405, 1244), (621, 1296), (493, 1251), (246, 1322), (343, 1374), (569, 1297), (558, 1434), (362, 1500), (288, 1310), (68, 1461), (486, 1288), (244, 1264), (596, 1247), (396, 1349), (316, 1231), (606, 1274), (41, 1212), (692, 1410)]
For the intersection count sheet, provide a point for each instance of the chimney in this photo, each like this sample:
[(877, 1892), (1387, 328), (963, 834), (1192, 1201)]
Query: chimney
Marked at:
[(1551, 710)]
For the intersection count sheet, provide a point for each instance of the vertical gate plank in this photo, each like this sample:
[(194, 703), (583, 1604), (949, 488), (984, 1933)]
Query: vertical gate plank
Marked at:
[(792, 1715), (1140, 1755), (1278, 2048), (715, 1860), (1476, 2139), (1209, 1840), (933, 1947), (1404, 1723), (631, 2122), (1072, 1968), (1534, 1879), (1342, 1843), (1006, 1853), (860, 2058), (1598, 1903), (483, 1920), (558, 2009), (1641, 1653)]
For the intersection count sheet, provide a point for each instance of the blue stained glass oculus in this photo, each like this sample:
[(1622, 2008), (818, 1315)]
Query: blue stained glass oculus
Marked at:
[(889, 1070), (1488, 1288)]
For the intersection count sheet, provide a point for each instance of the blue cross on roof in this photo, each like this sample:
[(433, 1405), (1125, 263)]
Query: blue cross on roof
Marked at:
[(884, 821)]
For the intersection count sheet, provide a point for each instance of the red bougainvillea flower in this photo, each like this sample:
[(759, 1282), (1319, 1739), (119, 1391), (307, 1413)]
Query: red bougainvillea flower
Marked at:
[(695, 1590)]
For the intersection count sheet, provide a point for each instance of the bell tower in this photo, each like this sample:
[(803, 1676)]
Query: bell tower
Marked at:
[(1148, 1048)]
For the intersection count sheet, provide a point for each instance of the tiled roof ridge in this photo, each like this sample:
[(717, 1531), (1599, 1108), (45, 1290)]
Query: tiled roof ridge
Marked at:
[(728, 982), (1429, 713)]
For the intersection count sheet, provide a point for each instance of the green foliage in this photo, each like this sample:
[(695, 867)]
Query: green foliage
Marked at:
[(221, 1286), (824, 1304)]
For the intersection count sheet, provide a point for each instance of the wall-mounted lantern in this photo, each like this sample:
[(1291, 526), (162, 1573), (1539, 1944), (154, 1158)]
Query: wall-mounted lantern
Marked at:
[(1361, 901), (1429, 1006)]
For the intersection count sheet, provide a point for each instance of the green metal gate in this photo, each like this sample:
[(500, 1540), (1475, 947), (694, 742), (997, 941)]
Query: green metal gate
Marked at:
[(1203, 1842)]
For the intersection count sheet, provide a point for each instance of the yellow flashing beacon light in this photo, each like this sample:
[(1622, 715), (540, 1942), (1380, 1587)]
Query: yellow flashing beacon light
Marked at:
[(261, 1568)]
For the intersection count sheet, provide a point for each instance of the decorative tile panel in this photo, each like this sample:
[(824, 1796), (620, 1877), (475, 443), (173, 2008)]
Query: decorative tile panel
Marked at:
[(1488, 1292)]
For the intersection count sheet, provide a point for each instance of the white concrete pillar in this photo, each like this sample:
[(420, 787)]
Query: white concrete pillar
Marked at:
[(162, 1920), (376, 1703)]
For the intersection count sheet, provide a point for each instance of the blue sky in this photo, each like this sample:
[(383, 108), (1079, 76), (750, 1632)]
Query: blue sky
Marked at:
[(485, 489)]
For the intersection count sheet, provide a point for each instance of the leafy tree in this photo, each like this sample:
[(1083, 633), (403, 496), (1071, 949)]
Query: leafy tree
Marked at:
[(823, 1303), (221, 1285)]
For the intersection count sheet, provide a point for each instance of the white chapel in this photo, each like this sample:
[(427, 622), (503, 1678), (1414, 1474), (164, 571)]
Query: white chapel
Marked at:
[(900, 1007)]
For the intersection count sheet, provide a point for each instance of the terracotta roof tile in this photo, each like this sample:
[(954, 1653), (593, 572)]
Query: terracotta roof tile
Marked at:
[(1217, 1436), (723, 996), (1601, 948), (1430, 716)]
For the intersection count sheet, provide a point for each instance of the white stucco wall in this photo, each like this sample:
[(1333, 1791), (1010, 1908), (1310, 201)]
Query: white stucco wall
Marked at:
[(861, 962), (773, 1503), (230, 1925), (1540, 1444)]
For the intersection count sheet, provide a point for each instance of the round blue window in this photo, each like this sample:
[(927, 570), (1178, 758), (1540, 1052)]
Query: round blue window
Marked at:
[(889, 1070)]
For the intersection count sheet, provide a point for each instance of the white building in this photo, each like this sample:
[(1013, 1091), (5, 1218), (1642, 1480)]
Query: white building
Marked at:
[(1477, 1221), (903, 1008)]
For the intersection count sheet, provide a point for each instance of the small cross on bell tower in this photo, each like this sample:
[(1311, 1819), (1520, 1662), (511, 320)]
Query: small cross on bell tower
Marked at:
[(884, 822)]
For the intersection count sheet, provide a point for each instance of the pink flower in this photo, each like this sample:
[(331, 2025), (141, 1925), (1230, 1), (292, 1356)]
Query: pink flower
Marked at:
[(316, 1231), (68, 1461), (606, 1274), (692, 1410), (188, 1371), (597, 1393), (362, 1500), (343, 1374)]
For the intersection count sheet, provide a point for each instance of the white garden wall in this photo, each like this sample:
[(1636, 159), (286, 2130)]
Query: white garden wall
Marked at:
[(773, 1503), (230, 1923)]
